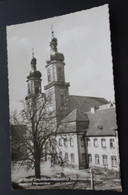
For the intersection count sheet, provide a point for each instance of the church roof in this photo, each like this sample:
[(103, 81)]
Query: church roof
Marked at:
[(84, 103), (75, 116), (103, 123), (76, 121)]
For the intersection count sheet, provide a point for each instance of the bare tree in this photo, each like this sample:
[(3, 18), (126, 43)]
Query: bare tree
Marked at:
[(41, 131), (18, 130)]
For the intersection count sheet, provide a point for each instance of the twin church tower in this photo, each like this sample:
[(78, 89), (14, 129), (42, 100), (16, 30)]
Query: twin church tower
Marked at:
[(57, 88)]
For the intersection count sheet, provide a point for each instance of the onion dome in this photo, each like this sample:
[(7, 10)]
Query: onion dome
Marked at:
[(55, 55), (34, 73)]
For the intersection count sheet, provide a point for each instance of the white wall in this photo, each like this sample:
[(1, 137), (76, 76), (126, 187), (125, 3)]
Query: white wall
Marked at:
[(104, 151), (69, 149)]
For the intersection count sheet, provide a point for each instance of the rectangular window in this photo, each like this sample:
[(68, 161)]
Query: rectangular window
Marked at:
[(83, 158), (103, 143), (66, 156), (89, 142), (95, 142), (97, 161), (71, 142), (113, 161), (112, 143), (90, 158), (65, 142), (60, 142), (82, 141), (105, 160), (72, 157)]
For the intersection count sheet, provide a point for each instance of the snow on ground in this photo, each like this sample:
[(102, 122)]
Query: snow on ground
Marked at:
[(47, 170)]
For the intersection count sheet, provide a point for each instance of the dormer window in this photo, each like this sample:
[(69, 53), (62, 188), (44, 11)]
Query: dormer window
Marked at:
[(100, 127)]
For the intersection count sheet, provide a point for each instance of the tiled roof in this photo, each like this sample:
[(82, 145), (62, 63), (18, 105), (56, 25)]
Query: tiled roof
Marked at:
[(103, 123), (76, 121), (75, 116), (84, 103)]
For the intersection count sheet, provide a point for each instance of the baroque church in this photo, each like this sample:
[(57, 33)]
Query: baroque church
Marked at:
[(89, 123)]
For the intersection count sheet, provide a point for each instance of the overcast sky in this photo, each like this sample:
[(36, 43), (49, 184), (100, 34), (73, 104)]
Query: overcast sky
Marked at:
[(83, 38)]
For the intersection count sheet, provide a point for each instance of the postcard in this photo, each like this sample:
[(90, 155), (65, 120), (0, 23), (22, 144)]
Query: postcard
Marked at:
[(63, 126)]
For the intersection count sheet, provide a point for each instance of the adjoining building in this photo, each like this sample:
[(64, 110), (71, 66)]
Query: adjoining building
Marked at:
[(87, 134), (102, 138)]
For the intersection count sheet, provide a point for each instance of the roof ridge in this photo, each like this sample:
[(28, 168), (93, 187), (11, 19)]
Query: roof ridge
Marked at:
[(88, 96), (105, 109)]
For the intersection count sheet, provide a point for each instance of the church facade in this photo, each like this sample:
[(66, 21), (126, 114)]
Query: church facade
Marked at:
[(87, 132)]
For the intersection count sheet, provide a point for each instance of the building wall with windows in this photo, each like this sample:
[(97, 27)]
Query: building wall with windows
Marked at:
[(103, 152), (68, 148)]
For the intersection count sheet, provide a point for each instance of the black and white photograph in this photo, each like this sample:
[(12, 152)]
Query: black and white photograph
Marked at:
[(63, 122)]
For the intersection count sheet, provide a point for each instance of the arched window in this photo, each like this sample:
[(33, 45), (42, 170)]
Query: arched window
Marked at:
[(49, 76), (29, 91)]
